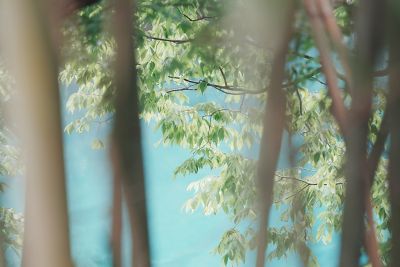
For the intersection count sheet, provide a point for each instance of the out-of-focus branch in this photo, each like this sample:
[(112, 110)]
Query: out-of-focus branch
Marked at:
[(272, 136), (322, 44), (339, 111), (326, 12), (126, 135), (371, 242), (370, 24)]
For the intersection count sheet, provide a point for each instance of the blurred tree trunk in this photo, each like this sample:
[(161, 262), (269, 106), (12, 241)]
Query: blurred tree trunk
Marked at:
[(36, 111), (274, 122), (127, 149), (369, 31)]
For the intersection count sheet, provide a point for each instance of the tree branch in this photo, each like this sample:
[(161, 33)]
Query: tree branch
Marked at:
[(274, 114), (228, 89), (199, 18), (336, 35), (339, 111), (175, 41)]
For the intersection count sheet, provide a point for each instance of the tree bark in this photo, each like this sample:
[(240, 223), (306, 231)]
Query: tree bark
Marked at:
[(127, 135)]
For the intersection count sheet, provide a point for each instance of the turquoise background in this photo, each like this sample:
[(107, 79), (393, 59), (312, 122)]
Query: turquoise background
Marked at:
[(178, 239)]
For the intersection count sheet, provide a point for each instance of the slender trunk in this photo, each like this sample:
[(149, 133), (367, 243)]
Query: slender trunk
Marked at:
[(367, 48), (274, 122), (338, 109), (127, 135), (36, 111)]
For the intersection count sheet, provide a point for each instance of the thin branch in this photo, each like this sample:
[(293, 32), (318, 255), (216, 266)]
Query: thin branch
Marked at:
[(199, 18), (302, 181), (242, 102), (187, 88), (336, 35), (224, 110), (294, 194), (319, 81), (234, 90), (175, 41), (227, 89), (274, 114), (292, 178), (309, 75), (300, 101), (339, 111), (223, 75)]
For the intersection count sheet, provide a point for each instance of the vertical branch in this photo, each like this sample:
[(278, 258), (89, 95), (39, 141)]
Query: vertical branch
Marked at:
[(394, 129), (336, 35), (367, 47), (338, 109), (371, 242), (126, 133), (274, 122), (36, 111)]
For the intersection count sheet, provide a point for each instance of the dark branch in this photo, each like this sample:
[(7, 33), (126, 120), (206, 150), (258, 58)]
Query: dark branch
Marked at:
[(175, 41), (223, 75), (199, 18)]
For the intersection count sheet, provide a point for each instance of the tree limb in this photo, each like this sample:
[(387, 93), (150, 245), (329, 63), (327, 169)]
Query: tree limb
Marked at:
[(272, 136)]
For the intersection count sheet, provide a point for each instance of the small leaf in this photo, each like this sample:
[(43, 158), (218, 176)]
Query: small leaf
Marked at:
[(202, 86), (97, 144)]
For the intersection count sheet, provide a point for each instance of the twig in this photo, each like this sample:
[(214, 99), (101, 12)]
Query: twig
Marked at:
[(176, 41), (223, 76), (300, 101), (199, 18)]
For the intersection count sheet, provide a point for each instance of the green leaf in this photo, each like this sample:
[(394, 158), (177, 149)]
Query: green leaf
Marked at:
[(202, 86)]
